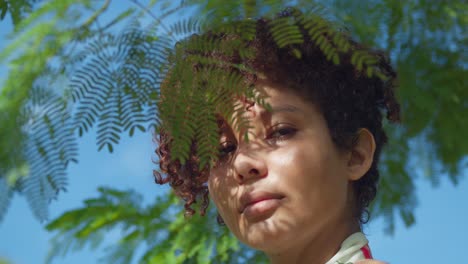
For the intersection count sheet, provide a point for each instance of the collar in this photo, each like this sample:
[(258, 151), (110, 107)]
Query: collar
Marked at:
[(353, 248)]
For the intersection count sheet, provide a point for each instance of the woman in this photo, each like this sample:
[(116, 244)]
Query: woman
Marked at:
[(298, 189)]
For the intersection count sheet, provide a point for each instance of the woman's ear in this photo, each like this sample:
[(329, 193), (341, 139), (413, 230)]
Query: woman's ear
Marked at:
[(361, 155)]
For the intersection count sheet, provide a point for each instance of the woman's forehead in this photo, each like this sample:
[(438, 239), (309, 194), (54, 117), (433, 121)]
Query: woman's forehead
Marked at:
[(279, 100)]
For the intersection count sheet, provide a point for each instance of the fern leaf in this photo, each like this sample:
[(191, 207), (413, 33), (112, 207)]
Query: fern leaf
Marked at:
[(185, 27), (285, 32), (50, 148)]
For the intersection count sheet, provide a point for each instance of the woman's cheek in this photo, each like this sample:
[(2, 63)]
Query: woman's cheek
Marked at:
[(213, 188), (217, 187), (222, 193)]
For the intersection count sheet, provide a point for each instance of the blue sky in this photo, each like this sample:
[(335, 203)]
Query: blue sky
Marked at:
[(437, 237)]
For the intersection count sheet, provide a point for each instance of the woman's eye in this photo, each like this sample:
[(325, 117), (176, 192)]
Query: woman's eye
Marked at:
[(226, 149), (282, 133)]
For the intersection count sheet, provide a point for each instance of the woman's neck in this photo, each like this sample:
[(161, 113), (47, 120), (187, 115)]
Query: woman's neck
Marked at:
[(318, 249)]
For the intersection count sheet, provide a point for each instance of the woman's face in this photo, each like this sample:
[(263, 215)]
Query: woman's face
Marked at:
[(289, 183)]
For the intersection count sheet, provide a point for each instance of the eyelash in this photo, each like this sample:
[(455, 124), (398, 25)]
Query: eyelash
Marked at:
[(290, 133), (229, 148), (223, 150)]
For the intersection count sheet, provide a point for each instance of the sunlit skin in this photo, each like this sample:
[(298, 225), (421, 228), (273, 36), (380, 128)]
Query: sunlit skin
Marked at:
[(295, 182)]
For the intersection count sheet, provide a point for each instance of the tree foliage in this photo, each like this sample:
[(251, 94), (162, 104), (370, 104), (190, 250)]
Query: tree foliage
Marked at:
[(36, 136), (17, 9), (71, 70), (425, 40), (159, 227), (4, 261)]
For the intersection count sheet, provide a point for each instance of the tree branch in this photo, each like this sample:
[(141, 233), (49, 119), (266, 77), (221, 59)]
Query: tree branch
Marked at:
[(93, 18), (148, 11)]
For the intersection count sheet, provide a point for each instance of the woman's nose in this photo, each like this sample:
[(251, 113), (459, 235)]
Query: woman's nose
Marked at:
[(249, 166)]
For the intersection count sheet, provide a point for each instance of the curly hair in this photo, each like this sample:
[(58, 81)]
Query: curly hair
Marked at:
[(348, 99)]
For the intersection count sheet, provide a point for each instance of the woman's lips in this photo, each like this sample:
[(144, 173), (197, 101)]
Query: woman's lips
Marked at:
[(257, 205)]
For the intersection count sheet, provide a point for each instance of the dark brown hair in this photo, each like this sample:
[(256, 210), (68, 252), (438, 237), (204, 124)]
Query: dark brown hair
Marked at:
[(347, 98)]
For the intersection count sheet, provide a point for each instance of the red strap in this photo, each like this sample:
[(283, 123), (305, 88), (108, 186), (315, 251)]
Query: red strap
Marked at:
[(366, 252)]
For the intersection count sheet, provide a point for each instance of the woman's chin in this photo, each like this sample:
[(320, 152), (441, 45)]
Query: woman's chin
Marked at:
[(269, 233)]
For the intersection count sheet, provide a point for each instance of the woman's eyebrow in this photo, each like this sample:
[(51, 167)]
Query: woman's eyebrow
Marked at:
[(285, 108)]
